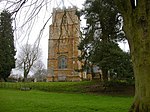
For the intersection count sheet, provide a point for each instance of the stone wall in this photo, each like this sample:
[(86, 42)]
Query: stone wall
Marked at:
[(63, 41)]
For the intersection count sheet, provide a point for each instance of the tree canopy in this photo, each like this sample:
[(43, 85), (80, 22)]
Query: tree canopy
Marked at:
[(103, 20), (7, 48), (100, 36)]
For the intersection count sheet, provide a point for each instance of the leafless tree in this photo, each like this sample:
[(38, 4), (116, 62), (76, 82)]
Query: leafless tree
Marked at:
[(40, 73), (29, 56)]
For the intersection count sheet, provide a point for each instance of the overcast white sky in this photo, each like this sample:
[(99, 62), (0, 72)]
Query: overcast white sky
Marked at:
[(21, 36), (31, 33)]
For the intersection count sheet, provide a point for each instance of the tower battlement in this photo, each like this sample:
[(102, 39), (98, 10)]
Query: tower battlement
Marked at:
[(64, 9), (65, 16)]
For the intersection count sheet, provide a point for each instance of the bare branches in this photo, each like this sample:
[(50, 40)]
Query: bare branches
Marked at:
[(41, 32), (19, 4), (26, 13), (31, 18), (28, 57)]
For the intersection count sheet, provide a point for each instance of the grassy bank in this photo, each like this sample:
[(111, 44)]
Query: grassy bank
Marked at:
[(73, 87), (38, 101), (50, 86)]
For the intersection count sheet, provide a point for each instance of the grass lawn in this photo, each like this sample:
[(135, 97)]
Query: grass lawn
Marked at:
[(38, 101)]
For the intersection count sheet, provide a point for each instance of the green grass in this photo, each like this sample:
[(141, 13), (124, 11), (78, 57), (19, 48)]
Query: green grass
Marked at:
[(72, 87), (51, 86), (38, 101)]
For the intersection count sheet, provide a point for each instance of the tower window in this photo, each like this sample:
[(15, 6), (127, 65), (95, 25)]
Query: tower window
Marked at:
[(62, 62), (64, 19)]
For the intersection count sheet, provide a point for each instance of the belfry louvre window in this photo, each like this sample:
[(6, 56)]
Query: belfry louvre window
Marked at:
[(62, 62)]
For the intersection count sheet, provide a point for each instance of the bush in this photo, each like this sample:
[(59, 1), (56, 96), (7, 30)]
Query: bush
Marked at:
[(116, 83)]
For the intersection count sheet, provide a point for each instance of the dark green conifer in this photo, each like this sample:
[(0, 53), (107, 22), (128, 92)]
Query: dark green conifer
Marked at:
[(7, 48)]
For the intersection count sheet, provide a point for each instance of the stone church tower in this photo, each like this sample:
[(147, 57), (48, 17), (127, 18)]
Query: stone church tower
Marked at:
[(63, 43)]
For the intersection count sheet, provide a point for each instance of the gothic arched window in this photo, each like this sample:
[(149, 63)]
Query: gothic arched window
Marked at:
[(62, 62)]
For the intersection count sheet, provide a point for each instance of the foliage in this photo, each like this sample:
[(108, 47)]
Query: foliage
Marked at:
[(103, 20), (109, 56), (119, 83), (28, 58), (7, 49), (98, 44)]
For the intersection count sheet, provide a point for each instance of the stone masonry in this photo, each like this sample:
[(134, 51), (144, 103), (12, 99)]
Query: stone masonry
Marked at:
[(64, 32)]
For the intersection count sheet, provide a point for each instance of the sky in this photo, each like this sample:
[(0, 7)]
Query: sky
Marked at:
[(30, 31)]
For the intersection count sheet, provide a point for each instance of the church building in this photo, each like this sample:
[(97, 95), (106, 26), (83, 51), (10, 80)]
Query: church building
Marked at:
[(64, 33)]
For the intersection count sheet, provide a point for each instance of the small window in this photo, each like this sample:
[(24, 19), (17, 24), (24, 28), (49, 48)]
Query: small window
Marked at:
[(64, 19), (62, 62)]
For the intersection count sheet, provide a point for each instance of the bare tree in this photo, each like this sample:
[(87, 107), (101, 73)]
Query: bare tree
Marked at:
[(40, 73), (28, 58)]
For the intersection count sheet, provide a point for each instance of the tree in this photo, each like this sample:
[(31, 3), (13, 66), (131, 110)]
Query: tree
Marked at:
[(40, 75), (103, 27), (124, 69), (110, 57), (136, 19), (27, 59), (41, 72), (7, 49), (103, 20)]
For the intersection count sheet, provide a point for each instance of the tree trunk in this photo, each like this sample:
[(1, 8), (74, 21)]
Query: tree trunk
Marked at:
[(25, 76), (5, 79), (25, 79), (104, 75), (92, 72), (140, 50), (142, 81), (137, 28)]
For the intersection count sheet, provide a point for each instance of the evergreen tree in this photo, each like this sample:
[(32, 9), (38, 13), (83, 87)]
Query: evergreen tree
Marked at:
[(103, 20), (110, 57), (7, 49), (102, 32)]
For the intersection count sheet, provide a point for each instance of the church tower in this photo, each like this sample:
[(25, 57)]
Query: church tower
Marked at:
[(64, 32)]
